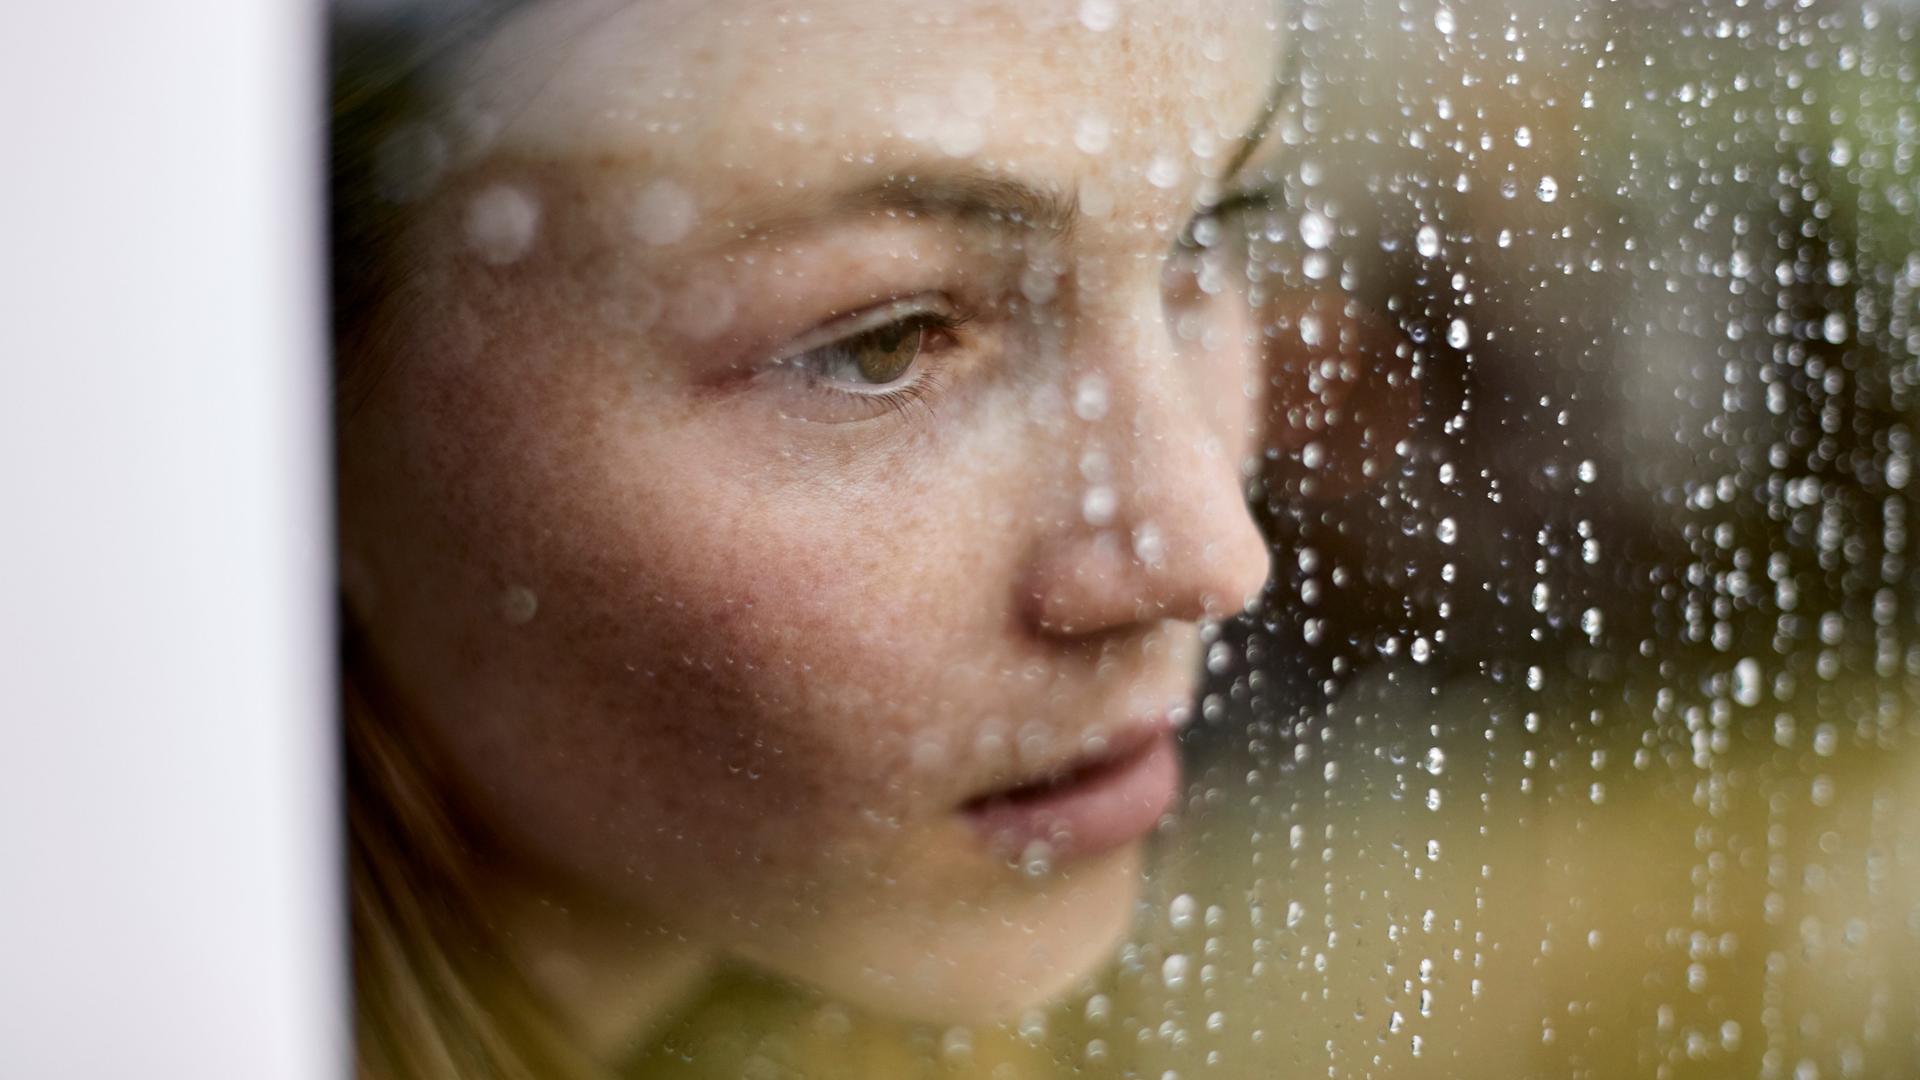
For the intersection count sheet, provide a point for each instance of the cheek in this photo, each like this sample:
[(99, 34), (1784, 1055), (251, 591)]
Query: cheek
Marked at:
[(722, 659)]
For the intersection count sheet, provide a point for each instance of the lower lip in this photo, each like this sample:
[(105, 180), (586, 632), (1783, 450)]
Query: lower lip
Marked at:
[(1105, 807)]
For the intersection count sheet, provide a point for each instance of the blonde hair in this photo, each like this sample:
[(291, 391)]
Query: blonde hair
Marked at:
[(433, 995)]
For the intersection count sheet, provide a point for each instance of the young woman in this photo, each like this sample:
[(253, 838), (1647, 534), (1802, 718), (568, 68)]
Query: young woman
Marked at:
[(787, 457)]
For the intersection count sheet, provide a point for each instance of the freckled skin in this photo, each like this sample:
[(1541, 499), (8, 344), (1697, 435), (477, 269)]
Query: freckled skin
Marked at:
[(750, 628)]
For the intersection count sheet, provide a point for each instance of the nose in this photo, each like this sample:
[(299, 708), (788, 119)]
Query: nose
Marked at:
[(1155, 523)]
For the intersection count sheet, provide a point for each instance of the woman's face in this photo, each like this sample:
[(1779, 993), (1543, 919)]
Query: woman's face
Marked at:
[(802, 424)]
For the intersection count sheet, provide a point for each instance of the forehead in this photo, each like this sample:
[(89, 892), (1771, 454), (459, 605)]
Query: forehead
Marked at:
[(1113, 86)]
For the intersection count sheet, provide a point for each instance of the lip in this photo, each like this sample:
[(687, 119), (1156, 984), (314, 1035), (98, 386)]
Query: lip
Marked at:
[(1096, 804)]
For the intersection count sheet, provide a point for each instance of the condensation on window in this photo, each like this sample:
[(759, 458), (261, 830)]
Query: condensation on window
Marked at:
[(1575, 733), (1576, 737)]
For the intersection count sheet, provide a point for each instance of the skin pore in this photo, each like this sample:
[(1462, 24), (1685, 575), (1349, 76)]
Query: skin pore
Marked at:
[(802, 422)]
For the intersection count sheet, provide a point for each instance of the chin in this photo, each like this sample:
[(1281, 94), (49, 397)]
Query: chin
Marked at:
[(1027, 946)]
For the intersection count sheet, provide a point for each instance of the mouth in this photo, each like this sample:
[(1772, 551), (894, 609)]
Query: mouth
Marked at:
[(1093, 804)]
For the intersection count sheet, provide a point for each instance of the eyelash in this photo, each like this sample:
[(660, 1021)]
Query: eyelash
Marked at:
[(900, 401), (920, 389), (1230, 209), (923, 387)]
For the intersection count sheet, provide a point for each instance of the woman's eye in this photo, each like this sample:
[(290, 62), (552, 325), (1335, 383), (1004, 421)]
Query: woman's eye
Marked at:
[(882, 359), (873, 352), (875, 358)]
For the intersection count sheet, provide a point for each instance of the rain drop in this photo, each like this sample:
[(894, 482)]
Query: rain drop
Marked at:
[(501, 223), (1180, 912), (518, 605), (1092, 134), (1099, 15), (1315, 231), (663, 213)]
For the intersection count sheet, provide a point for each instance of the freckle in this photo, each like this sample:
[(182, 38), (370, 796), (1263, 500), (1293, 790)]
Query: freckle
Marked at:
[(518, 605)]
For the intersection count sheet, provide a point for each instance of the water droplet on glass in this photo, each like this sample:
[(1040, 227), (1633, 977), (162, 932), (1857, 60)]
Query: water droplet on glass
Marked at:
[(1092, 134), (1219, 657), (703, 308), (501, 222), (1315, 230), (960, 136), (1173, 972), (1148, 546), (1036, 859), (1090, 398), (663, 213), (1180, 912), (1039, 283), (929, 754), (1099, 15), (1746, 682), (956, 1045), (1097, 506), (1164, 171), (409, 163), (518, 605)]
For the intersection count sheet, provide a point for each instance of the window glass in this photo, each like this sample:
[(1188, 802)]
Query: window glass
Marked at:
[(1130, 539)]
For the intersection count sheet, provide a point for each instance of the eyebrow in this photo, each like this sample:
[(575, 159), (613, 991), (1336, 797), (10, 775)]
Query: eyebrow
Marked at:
[(966, 197), (972, 197)]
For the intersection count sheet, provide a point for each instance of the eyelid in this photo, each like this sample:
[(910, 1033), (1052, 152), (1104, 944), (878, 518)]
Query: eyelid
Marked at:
[(860, 322), (1256, 198), (1260, 196)]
